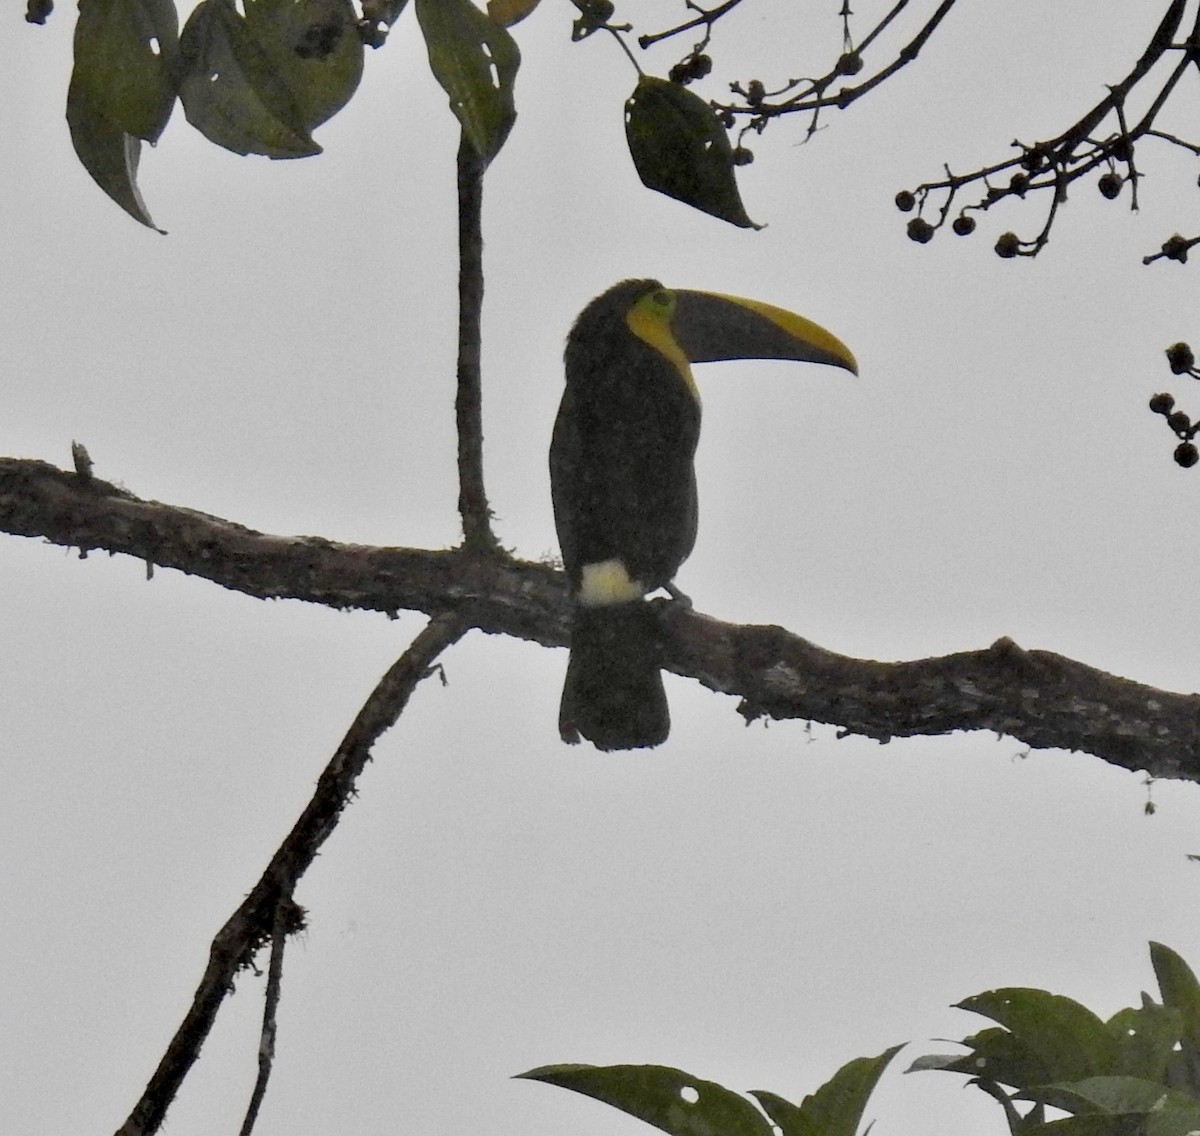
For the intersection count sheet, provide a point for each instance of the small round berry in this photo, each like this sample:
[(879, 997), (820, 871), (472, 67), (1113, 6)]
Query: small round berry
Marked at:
[(1008, 245), (1178, 421), (1110, 185), (1175, 248), (1162, 404), (1122, 149), (701, 66), (742, 156), (1180, 358), (963, 226), (849, 64), (755, 92), (1186, 454), (1018, 184), (906, 201), (920, 230), (371, 33)]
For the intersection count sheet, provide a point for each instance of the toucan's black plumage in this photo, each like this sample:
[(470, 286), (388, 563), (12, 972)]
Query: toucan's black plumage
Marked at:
[(624, 482)]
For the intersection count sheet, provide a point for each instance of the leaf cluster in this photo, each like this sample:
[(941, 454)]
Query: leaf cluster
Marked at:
[(683, 1105), (1137, 1074), (259, 76)]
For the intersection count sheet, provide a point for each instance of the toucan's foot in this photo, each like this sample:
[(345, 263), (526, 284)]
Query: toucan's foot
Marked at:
[(681, 598)]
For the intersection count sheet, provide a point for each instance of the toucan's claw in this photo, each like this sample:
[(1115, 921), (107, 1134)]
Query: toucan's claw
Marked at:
[(681, 598)]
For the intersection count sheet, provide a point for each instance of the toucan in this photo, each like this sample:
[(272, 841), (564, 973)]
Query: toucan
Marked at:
[(623, 481)]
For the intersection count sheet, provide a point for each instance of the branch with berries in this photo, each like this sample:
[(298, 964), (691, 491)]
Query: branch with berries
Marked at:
[(1078, 152), (1182, 361), (1102, 145)]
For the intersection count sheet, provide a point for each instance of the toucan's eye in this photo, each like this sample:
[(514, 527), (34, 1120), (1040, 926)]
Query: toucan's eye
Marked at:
[(659, 304)]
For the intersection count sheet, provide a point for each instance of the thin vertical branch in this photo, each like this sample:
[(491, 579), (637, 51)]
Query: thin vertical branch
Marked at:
[(468, 405), (288, 916)]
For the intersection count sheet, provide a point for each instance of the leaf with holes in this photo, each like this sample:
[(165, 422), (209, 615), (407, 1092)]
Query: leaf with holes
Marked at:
[(261, 83), (1145, 1037), (670, 1099), (475, 60), (122, 90), (680, 148), (1066, 1040)]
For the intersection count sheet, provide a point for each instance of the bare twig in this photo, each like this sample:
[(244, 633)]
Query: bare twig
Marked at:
[(705, 18), (288, 918), (811, 95), (255, 921)]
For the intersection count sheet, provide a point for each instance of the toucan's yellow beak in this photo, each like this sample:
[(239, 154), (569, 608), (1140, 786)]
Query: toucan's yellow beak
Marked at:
[(709, 326)]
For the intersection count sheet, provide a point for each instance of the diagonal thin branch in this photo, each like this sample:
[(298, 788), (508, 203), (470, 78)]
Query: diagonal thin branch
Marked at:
[(705, 19), (252, 924)]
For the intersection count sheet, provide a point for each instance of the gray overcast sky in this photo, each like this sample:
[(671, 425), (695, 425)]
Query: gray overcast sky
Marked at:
[(754, 905)]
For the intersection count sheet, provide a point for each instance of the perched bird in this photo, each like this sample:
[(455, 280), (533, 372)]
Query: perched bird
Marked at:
[(623, 481)]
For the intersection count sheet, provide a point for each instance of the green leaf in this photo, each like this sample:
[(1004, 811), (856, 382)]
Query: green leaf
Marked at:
[(260, 84), (680, 148), (996, 1055), (669, 1099), (1172, 1121), (1110, 1096), (122, 90), (1179, 988), (475, 60), (1167, 1121), (315, 50), (1146, 1038), (838, 1105), (125, 55), (509, 12), (1060, 1034), (111, 156), (1132, 1124), (787, 1117)]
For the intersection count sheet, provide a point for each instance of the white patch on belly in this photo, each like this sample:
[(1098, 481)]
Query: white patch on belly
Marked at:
[(608, 582)]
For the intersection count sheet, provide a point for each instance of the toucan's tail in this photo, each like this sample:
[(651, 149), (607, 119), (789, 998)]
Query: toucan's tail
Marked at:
[(614, 692)]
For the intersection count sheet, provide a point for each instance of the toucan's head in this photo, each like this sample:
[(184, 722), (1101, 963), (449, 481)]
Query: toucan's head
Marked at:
[(702, 327)]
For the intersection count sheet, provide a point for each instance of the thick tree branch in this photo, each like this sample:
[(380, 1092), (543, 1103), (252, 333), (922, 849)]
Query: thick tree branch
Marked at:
[(39, 500), (1042, 699)]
